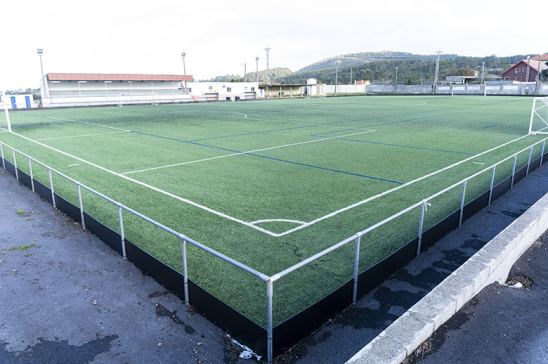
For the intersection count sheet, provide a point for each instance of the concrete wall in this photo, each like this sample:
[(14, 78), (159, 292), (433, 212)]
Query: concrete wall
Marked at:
[(529, 88)]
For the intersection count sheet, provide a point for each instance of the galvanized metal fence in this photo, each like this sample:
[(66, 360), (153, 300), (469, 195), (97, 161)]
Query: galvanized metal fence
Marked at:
[(270, 280)]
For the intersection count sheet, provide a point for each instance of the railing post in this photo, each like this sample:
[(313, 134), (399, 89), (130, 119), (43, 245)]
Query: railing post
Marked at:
[(81, 203), (269, 294), (513, 171), (51, 188), (122, 232), (529, 160), (2, 155), (542, 151), (31, 175), (492, 184), (15, 164), (356, 270), (462, 200), (421, 224), (185, 271)]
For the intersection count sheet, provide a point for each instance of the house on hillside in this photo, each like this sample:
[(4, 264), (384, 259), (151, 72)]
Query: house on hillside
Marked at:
[(526, 70)]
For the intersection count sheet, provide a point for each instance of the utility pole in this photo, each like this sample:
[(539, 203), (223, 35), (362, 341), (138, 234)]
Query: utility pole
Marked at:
[(257, 69), (396, 81), (482, 72), (267, 49), (436, 73), (183, 56), (245, 69), (337, 75), (44, 89), (528, 68)]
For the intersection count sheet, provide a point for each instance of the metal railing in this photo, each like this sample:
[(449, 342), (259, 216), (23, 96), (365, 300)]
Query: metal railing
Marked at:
[(269, 280)]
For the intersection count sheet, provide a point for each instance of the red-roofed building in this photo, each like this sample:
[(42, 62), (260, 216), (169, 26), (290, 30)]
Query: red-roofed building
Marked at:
[(86, 89), (526, 70)]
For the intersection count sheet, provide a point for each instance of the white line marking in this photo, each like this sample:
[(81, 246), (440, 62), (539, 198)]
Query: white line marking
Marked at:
[(480, 163), (369, 199), (73, 165), (82, 135), (88, 123), (278, 220), (246, 152), (169, 194)]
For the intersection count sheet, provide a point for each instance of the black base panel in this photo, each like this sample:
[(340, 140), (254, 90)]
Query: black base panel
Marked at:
[(438, 231), (24, 179), (228, 319), (67, 208), (109, 237), (501, 188), (475, 206), (520, 173), (42, 191), (10, 168), (301, 325)]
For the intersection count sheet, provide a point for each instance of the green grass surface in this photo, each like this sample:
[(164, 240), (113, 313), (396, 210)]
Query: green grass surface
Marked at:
[(344, 151)]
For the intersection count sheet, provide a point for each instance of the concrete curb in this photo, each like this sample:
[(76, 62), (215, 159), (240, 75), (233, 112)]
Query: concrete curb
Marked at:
[(490, 264)]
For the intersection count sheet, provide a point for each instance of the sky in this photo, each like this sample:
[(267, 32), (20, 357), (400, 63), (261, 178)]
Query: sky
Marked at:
[(219, 36)]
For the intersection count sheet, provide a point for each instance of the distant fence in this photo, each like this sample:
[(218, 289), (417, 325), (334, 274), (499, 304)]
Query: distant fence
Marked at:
[(487, 89)]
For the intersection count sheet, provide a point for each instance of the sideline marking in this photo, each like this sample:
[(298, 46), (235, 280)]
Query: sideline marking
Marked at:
[(246, 152), (159, 190), (82, 135), (369, 199)]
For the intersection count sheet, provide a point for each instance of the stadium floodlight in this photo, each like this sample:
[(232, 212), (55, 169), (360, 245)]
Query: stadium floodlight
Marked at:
[(267, 49), (44, 87), (183, 56), (539, 116), (257, 69)]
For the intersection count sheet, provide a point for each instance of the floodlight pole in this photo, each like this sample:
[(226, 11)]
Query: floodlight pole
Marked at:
[(337, 75), (44, 89), (183, 56), (257, 69), (436, 73), (350, 75), (267, 49), (482, 72), (396, 80), (245, 69)]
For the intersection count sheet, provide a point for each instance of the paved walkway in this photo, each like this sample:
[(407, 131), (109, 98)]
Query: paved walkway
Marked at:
[(503, 324), (65, 297)]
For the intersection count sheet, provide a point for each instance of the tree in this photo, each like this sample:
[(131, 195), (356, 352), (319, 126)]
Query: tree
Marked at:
[(465, 72)]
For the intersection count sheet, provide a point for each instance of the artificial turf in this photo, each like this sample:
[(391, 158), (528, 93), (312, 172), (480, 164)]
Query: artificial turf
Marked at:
[(266, 160)]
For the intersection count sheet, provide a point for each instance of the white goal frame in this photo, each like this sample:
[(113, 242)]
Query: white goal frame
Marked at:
[(539, 103)]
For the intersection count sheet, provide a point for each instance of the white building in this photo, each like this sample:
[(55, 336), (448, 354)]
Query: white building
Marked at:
[(91, 89), (224, 91)]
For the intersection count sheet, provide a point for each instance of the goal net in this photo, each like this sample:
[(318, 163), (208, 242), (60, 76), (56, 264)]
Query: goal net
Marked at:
[(539, 116)]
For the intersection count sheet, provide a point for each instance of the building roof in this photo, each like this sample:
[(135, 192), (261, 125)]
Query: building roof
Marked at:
[(536, 65), (541, 57), (115, 77)]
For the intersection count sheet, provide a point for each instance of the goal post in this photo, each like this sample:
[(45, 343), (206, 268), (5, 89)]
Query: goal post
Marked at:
[(6, 113), (538, 123)]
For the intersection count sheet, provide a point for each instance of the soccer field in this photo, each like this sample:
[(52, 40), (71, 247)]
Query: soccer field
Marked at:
[(270, 183)]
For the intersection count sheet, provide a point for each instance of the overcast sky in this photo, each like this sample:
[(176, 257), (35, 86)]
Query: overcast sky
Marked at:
[(219, 36)]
